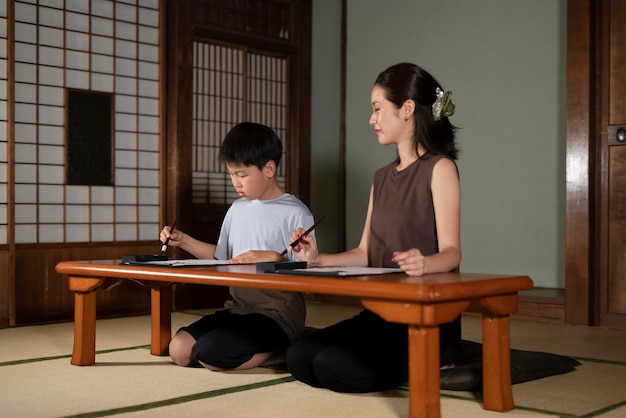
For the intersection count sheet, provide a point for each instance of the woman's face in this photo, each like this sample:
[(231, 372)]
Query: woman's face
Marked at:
[(387, 120)]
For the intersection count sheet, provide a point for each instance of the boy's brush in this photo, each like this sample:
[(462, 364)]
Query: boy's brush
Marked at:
[(167, 241)]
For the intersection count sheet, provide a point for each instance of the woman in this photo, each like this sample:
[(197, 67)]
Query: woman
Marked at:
[(412, 222)]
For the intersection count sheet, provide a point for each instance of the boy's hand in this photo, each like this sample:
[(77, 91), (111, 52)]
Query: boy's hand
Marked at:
[(175, 237), (256, 256)]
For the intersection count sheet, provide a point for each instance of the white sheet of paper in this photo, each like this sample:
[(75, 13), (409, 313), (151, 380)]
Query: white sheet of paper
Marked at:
[(351, 271), (187, 262)]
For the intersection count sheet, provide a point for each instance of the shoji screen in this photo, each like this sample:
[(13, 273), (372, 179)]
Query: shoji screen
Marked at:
[(95, 46), (232, 85)]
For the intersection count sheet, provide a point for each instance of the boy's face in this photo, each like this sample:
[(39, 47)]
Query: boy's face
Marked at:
[(250, 182)]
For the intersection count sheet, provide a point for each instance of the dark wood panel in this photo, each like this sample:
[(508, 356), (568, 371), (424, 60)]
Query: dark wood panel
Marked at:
[(617, 63), (616, 321), (42, 295), (578, 280), (542, 305), (177, 149), (6, 290), (612, 168), (617, 229)]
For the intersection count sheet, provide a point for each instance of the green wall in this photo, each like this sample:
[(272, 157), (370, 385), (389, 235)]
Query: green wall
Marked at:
[(325, 119), (505, 62)]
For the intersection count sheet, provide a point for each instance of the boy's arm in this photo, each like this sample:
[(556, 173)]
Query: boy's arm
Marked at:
[(195, 247), (257, 256)]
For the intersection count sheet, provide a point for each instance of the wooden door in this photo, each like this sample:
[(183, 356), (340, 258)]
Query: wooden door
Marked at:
[(595, 282), (612, 147)]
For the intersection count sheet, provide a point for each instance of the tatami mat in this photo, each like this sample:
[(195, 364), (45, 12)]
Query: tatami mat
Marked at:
[(37, 379)]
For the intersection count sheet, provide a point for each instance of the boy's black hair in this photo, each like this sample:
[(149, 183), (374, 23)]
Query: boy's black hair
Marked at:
[(249, 144)]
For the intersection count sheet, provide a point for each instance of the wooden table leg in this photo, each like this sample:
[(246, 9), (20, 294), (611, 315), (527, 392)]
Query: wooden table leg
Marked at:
[(84, 288), (84, 353), (424, 356), (497, 390), (424, 372), (161, 319)]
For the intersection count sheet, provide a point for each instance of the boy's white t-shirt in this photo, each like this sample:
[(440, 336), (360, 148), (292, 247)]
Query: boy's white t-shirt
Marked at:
[(265, 225)]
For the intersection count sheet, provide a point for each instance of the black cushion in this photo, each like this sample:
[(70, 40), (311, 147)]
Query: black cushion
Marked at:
[(467, 374)]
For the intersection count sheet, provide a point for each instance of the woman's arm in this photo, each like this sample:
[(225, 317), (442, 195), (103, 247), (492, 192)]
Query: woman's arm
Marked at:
[(356, 257), (446, 192)]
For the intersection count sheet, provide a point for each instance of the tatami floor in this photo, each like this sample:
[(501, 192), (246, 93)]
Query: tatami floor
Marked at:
[(37, 380)]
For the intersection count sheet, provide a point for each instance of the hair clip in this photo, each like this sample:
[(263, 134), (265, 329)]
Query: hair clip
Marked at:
[(444, 105)]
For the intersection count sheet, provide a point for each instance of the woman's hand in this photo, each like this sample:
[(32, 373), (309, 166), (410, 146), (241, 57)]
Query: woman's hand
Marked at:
[(412, 262), (306, 248), (256, 256)]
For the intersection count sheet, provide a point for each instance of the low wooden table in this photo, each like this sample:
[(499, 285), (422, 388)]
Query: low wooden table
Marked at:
[(423, 303)]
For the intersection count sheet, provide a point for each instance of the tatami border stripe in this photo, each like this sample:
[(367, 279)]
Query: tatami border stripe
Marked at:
[(604, 410), (224, 391), (38, 359), (517, 407), (113, 350), (183, 399), (595, 360)]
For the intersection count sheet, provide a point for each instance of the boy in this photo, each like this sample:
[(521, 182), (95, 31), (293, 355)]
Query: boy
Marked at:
[(255, 323)]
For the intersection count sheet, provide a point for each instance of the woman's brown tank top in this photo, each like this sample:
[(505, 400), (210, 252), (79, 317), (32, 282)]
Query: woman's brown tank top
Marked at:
[(403, 216)]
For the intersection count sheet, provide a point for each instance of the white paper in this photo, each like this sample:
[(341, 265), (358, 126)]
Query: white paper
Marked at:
[(351, 271), (186, 262)]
